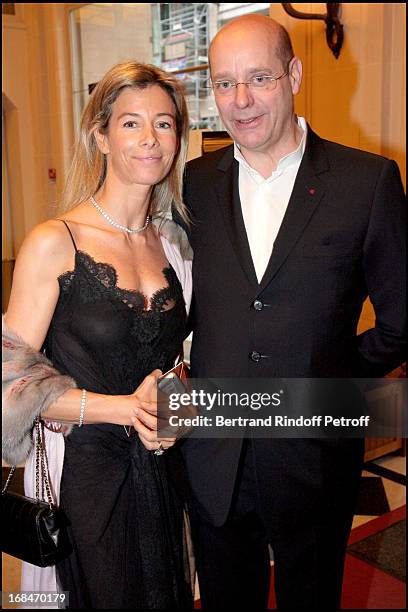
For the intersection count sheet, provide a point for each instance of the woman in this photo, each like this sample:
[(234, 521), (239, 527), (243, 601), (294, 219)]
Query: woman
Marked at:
[(101, 290)]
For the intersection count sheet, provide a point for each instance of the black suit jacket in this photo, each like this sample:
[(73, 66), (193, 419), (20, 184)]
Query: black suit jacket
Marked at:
[(341, 239)]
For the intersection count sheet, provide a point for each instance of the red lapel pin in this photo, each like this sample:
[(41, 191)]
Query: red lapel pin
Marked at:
[(312, 190)]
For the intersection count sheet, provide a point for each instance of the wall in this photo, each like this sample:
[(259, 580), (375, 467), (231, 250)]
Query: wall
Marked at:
[(38, 111), (359, 99), (18, 134)]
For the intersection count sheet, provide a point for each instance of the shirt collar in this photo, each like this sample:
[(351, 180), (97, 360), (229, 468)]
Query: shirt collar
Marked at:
[(290, 159)]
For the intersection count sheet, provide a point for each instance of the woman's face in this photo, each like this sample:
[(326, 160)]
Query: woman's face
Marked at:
[(141, 139)]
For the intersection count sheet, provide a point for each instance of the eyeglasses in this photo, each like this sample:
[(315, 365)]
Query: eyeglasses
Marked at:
[(257, 82)]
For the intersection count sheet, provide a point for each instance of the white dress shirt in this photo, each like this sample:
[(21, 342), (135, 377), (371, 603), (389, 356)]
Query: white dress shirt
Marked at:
[(264, 201)]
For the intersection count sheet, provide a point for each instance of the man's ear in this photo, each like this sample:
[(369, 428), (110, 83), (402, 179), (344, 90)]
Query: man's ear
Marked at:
[(102, 142), (295, 74)]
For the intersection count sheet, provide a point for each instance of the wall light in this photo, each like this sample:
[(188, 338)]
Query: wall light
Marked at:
[(334, 29)]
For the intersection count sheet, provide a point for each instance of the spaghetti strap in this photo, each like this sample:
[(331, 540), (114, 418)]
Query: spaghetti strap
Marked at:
[(70, 233)]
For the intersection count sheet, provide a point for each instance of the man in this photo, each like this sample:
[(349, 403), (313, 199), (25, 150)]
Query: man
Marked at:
[(290, 234)]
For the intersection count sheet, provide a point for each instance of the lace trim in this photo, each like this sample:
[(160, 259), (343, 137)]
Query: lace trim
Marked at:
[(106, 277)]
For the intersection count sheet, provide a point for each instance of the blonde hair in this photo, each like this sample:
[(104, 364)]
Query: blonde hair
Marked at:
[(88, 169)]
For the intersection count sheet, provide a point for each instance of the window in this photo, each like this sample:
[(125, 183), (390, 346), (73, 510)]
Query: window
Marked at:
[(174, 36)]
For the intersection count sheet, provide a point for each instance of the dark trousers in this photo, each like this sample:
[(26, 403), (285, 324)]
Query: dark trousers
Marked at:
[(233, 560)]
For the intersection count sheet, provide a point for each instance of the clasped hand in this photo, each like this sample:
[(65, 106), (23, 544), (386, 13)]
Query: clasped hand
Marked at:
[(144, 417)]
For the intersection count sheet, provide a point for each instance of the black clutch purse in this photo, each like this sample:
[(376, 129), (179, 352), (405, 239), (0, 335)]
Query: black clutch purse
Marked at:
[(33, 530)]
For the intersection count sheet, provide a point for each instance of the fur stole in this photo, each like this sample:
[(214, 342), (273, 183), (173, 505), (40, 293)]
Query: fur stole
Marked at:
[(30, 385)]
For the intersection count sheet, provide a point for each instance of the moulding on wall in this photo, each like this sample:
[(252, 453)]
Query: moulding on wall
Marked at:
[(15, 179)]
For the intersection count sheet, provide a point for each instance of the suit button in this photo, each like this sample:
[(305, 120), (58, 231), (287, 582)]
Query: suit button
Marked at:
[(258, 305), (255, 356)]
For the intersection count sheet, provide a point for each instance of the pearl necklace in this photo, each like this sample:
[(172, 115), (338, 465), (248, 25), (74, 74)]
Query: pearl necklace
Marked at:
[(129, 230)]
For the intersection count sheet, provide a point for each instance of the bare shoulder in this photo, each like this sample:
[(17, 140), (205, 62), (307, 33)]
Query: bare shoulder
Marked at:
[(46, 253), (48, 243)]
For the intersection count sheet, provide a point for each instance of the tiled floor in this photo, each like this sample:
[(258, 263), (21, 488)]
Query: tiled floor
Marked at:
[(392, 496), (395, 493)]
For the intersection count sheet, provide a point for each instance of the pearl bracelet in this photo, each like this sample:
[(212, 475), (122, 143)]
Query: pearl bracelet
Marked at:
[(82, 409)]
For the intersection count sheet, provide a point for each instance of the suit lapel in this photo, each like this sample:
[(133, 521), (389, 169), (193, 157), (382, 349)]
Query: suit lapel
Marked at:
[(307, 193), (227, 190)]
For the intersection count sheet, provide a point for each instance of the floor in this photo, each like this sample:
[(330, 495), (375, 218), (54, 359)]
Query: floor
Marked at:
[(386, 494), (375, 571)]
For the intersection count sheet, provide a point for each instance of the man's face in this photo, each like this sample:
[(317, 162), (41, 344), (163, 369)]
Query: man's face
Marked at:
[(255, 118)]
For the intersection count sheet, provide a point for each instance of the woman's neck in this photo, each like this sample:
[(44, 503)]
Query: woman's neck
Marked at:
[(127, 206)]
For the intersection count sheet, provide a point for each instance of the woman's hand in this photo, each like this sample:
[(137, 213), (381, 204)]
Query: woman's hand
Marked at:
[(144, 416)]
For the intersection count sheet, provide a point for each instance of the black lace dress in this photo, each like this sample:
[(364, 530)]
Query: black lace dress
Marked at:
[(126, 519)]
